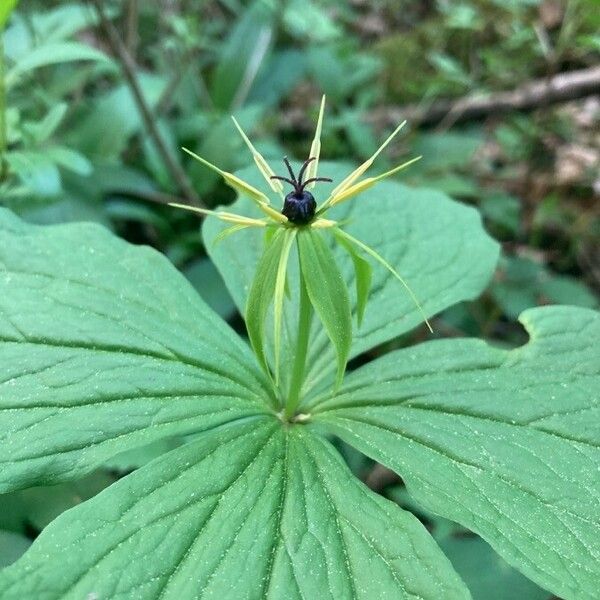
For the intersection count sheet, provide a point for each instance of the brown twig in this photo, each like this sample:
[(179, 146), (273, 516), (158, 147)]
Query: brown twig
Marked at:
[(129, 71), (132, 37), (533, 94)]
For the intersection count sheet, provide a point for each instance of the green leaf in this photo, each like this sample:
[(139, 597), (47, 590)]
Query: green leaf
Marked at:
[(309, 23), (12, 547), (43, 129), (504, 442), (485, 573), (261, 294), (363, 274), (242, 55), (105, 347), (105, 126), (69, 159), (7, 7), (327, 292), (252, 510), (36, 170), (50, 54), (438, 245)]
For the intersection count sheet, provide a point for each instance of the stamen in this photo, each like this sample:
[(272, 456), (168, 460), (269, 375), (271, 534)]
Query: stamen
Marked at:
[(284, 179), (290, 171), (301, 174), (299, 185), (317, 179)]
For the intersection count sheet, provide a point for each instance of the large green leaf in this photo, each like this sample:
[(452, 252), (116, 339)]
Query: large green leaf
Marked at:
[(504, 442), (104, 347), (253, 510), (438, 245)]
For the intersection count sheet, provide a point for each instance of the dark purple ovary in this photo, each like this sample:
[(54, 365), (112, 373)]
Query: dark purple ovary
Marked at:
[(299, 208)]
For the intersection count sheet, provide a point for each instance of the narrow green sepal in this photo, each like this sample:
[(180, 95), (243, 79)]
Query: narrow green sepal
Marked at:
[(363, 275), (389, 267), (225, 233), (327, 293), (269, 234), (280, 285), (261, 294)]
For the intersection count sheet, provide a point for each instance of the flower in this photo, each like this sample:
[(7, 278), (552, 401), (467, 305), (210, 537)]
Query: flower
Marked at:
[(347, 189), (299, 216)]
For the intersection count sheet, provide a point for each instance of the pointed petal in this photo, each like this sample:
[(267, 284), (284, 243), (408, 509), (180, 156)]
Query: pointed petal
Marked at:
[(350, 192), (235, 182), (323, 223), (223, 215), (315, 148), (228, 231), (397, 169), (260, 161), (389, 267), (204, 162), (361, 170), (365, 184), (272, 213)]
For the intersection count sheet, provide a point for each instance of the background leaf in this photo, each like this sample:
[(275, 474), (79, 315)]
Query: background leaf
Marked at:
[(242, 55), (50, 54), (115, 335), (503, 442), (248, 510), (12, 547), (5, 10)]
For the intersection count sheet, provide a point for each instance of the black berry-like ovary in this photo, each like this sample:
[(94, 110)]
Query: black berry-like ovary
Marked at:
[(299, 208)]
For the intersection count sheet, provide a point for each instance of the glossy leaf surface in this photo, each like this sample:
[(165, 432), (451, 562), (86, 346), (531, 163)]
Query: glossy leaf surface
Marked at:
[(105, 347), (284, 519), (503, 442)]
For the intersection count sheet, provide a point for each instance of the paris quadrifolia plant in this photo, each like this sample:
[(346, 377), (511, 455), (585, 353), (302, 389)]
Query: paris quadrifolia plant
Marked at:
[(235, 488), (321, 286)]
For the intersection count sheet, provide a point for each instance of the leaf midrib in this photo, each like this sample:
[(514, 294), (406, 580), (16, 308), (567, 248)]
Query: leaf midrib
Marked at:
[(119, 349), (145, 308)]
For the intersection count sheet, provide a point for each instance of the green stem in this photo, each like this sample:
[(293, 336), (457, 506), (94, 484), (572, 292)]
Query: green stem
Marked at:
[(297, 379)]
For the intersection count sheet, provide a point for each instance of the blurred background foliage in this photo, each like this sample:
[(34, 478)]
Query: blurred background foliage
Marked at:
[(98, 97)]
